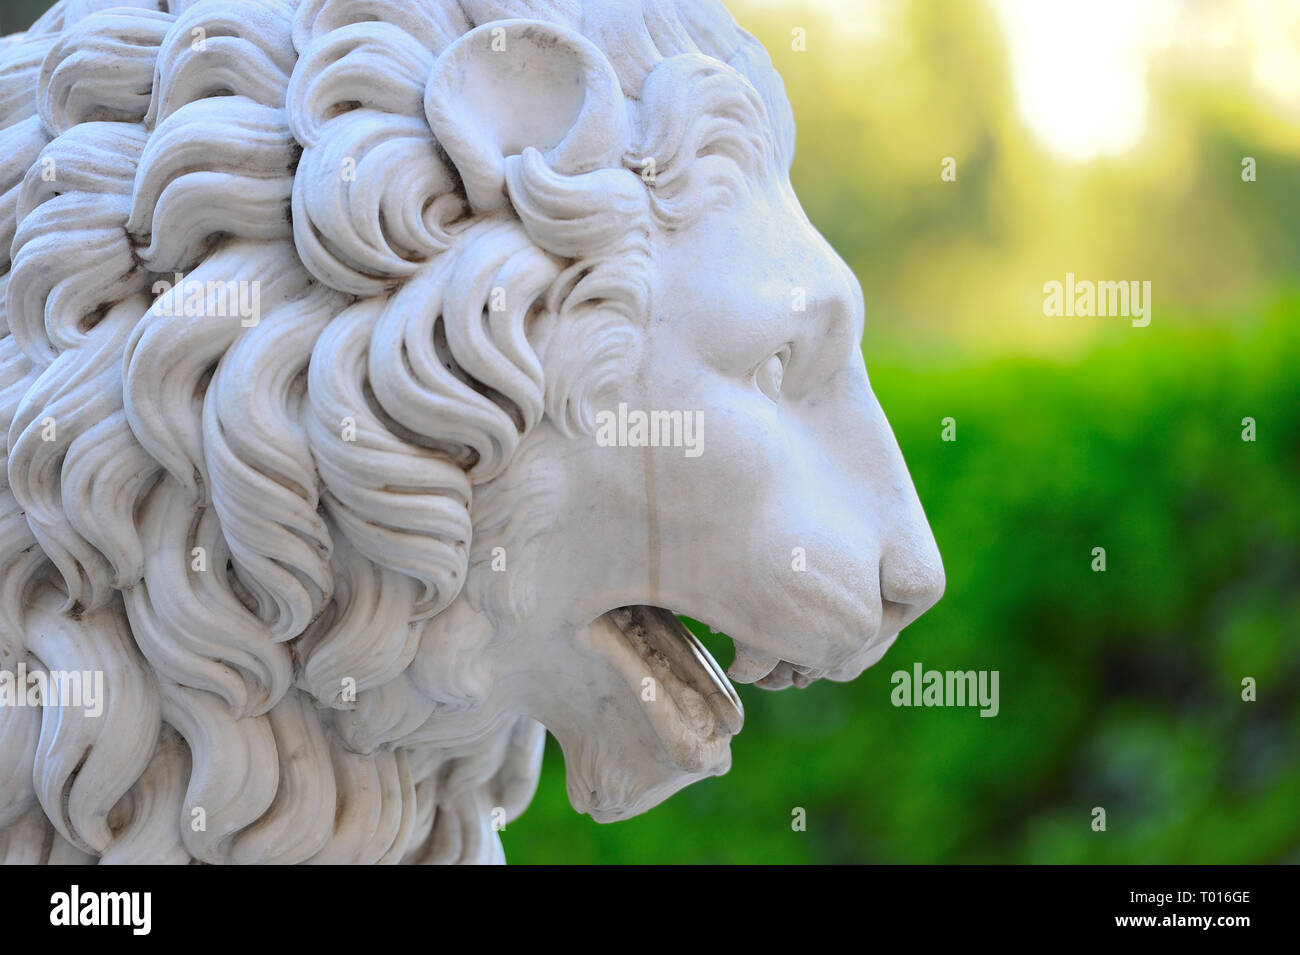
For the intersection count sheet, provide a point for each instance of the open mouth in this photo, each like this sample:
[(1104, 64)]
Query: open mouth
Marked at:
[(683, 667), (662, 661)]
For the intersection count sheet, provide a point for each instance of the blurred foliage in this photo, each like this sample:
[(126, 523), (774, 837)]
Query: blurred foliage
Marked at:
[(1119, 689), (960, 265), (18, 15)]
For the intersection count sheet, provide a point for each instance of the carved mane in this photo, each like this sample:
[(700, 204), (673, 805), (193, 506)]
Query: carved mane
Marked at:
[(240, 519)]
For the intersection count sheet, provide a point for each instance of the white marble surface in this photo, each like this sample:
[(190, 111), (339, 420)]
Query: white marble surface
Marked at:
[(377, 378)]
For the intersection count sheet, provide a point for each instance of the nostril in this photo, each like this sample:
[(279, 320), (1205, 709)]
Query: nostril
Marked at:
[(895, 616)]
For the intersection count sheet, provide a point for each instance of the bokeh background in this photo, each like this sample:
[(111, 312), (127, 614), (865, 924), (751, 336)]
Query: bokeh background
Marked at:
[(1104, 138)]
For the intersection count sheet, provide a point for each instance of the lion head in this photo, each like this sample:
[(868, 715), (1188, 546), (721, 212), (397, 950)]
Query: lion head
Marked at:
[(381, 378)]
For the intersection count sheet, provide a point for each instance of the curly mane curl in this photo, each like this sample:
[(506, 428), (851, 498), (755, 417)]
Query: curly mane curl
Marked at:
[(265, 527)]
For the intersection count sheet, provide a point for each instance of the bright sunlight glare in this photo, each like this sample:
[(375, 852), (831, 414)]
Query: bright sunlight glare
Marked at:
[(1079, 69)]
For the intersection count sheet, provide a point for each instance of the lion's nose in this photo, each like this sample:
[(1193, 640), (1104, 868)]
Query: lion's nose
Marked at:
[(911, 573)]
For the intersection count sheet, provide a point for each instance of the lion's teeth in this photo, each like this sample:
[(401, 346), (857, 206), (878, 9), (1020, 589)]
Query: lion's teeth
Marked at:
[(683, 663), (750, 665)]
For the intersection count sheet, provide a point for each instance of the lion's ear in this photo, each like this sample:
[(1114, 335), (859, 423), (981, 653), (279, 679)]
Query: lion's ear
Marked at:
[(512, 84)]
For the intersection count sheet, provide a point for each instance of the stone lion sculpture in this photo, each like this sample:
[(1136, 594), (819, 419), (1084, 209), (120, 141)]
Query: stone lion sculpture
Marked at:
[(312, 312)]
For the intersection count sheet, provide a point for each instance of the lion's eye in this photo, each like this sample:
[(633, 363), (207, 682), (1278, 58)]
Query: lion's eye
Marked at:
[(769, 374)]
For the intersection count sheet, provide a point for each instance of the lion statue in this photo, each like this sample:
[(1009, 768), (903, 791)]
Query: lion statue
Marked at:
[(381, 379)]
